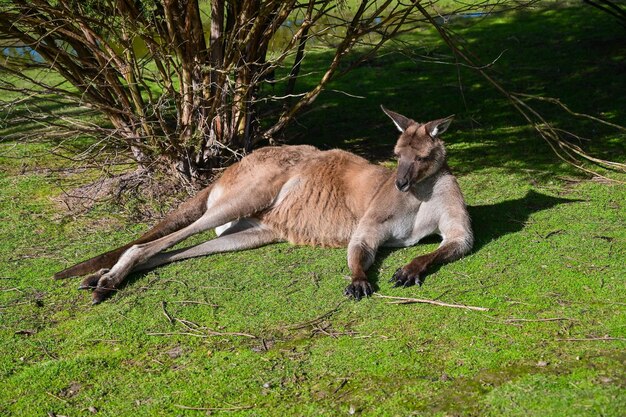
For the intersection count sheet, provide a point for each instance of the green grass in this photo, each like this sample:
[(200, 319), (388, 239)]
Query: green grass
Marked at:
[(548, 263)]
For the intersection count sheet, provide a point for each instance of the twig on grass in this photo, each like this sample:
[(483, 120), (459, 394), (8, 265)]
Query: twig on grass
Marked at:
[(404, 300), (56, 397), (515, 320), (176, 281), (531, 320), (10, 289), (194, 302), (188, 324), (204, 334), (233, 408), (591, 339), (164, 308), (47, 352), (313, 322), (176, 334), (194, 329), (372, 335)]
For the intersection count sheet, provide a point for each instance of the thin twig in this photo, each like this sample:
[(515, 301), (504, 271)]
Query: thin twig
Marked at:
[(11, 289), (591, 339), (346, 93), (194, 328), (169, 317), (177, 334), (313, 321), (233, 408), (56, 397), (188, 324), (404, 300), (194, 302), (570, 111), (515, 320), (204, 334)]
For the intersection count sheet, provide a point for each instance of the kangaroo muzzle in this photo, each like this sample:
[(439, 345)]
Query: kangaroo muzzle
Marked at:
[(403, 184), (404, 177)]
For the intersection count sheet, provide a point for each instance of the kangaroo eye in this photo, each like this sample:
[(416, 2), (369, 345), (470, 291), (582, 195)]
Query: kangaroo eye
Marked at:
[(419, 159)]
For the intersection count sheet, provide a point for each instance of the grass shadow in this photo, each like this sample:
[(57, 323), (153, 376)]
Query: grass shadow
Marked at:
[(493, 221), (571, 54)]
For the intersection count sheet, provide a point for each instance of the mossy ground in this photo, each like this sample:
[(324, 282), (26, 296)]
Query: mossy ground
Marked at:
[(548, 263)]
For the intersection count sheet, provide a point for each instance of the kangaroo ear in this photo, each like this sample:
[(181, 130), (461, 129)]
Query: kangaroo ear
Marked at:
[(437, 127), (399, 120)]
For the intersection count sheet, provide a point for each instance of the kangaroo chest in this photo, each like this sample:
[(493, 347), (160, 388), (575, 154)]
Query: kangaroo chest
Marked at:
[(412, 226)]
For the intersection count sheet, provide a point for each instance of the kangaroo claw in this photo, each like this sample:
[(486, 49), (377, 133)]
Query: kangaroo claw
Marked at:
[(100, 284), (358, 290), (106, 286), (91, 281), (100, 294), (403, 278)]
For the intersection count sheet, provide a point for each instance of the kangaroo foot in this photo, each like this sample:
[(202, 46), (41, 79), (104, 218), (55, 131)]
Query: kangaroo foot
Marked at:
[(91, 281), (358, 289), (101, 284), (102, 291), (406, 277)]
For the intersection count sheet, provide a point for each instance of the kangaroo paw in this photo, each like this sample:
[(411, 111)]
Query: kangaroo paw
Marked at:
[(91, 281), (358, 289), (405, 277)]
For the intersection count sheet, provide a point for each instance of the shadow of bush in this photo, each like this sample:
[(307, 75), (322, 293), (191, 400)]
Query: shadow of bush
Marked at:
[(574, 54)]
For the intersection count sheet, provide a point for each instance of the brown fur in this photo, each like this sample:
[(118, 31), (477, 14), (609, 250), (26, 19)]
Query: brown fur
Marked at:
[(322, 208), (306, 196)]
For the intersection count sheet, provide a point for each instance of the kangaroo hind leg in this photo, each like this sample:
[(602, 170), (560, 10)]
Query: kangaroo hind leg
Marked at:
[(232, 241), (224, 206), (250, 238)]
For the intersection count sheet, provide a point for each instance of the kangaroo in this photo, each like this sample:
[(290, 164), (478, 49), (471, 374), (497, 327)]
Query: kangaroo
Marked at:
[(306, 196)]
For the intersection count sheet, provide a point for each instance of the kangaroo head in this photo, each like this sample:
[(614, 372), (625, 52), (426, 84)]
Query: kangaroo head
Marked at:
[(419, 149)]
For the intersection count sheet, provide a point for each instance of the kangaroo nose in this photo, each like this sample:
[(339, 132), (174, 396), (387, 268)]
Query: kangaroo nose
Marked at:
[(402, 184)]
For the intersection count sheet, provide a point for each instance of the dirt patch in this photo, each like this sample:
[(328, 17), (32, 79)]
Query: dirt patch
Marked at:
[(141, 194), (71, 390)]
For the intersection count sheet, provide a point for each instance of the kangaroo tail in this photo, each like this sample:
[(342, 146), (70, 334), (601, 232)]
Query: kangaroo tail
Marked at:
[(184, 215)]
